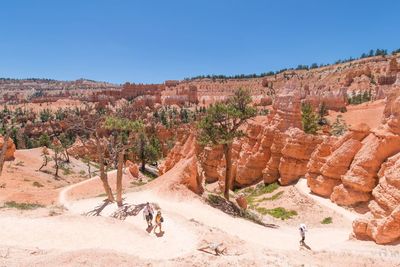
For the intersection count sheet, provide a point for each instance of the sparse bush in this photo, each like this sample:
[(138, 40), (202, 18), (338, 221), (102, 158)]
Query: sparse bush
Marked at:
[(339, 127), (327, 220), (22, 206), (279, 213), (274, 197), (66, 170), (37, 184)]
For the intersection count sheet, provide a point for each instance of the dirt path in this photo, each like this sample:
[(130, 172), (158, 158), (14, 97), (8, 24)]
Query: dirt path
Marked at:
[(305, 190), (187, 218), (286, 238)]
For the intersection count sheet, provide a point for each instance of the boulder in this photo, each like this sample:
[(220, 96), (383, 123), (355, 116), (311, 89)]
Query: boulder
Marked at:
[(10, 148), (133, 168), (242, 202)]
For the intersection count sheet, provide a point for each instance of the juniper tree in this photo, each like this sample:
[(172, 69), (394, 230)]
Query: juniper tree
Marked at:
[(221, 126), (309, 119), (124, 131)]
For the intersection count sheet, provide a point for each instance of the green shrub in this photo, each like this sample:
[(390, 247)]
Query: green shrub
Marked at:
[(22, 206), (309, 119), (274, 197), (327, 220), (37, 184), (279, 213), (339, 127)]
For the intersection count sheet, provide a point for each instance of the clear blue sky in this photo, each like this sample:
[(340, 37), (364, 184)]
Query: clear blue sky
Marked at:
[(151, 41)]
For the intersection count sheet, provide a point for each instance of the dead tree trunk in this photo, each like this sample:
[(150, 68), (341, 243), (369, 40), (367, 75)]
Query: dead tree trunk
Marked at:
[(4, 150), (89, 171), (228, 169), (103, 175), (119, 177), (56, 162)]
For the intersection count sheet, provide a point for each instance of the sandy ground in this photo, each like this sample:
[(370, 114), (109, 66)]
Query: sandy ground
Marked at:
[(29, 239), (370, 113), (22, 182)]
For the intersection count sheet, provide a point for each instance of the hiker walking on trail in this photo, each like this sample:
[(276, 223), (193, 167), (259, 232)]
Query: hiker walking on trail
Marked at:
[(159, 221), (303, 230), (148, 214)]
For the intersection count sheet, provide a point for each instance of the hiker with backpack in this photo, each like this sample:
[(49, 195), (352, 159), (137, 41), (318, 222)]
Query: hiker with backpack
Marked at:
[(303, 230), (148, 214), (159, 220)]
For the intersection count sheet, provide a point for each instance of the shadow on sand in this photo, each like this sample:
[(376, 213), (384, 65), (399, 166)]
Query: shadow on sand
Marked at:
[(160, 234), (303, 244), (149, 229)]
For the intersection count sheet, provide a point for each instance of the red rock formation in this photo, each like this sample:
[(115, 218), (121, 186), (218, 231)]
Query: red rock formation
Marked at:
[(361, 179), (379, 145), (88, 148), (253, 156), (10, 148), (271, 171), (296, 154), (185, 154), (133, 168), (286, 114), (212, 164), (382, 224), (332, 159), (319, 184)]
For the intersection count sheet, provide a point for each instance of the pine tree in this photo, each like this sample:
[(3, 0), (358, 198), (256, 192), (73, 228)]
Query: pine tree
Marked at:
[(309, 119), (221, 126)]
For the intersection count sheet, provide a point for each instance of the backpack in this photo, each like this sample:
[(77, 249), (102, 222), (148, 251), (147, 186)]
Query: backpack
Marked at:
[(161, 219)]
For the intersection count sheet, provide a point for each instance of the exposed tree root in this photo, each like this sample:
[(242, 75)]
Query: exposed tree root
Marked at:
[(96, 211), (127, 210)]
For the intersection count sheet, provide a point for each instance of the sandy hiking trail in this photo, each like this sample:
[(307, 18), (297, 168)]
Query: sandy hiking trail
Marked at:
[(178, 212), (186, 220)]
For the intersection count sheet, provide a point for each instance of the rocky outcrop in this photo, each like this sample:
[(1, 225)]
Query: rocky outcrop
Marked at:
[(319, 184), (295, 155), (286, 111), (361, 178), (84, 149), (253, 156), (10, 148), (181, 150), (185, 154), (392, 111), (271, 171), (332, 159), (382, 223), (286, 114), (212, 164), (133, 168), (332, 100)]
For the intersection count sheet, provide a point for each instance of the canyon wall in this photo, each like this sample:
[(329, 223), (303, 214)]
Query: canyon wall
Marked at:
[(361, 166)]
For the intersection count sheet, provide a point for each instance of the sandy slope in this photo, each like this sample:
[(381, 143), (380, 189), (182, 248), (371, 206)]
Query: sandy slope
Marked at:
[(370, 113)]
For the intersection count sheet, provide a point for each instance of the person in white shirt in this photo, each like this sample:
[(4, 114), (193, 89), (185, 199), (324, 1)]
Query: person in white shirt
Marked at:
[(303, 230), (148, 214)]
